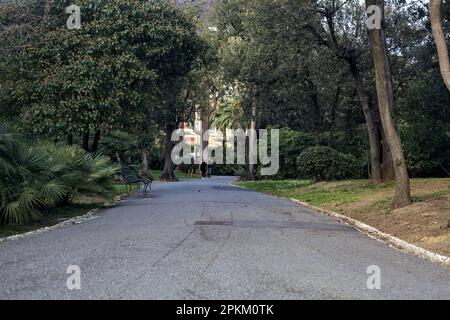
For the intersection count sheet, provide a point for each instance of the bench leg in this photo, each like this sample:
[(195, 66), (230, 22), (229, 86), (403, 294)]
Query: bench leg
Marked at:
[(148, 185), (129, 189)]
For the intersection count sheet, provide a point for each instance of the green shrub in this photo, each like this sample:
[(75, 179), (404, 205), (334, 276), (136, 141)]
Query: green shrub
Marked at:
[(229, 170), (187, 168), (37, 177), (79, 171), (425, 128), (293, 143), (324, 163), (123, 147), (120, 146)]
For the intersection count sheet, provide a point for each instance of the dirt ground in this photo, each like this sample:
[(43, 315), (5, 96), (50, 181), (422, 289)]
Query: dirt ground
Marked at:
[(425, 223)]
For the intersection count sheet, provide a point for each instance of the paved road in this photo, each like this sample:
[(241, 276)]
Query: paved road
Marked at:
[(209, 240)]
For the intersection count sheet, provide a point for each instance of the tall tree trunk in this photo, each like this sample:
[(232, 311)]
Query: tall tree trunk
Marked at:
[(47, 8), (85, 144), (385, 104), (251, 174), (372, 128), (94, 146), (387, 164), (168, 174), (70, 139), (144, 153), (334, 106), (439, 39), (204, 116), (251, 168)]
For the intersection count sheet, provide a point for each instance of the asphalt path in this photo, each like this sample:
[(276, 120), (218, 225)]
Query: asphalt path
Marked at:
[(210, 240)]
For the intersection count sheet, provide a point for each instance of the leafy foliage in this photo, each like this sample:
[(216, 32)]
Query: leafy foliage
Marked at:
[(294, 143), (425, 127), (120, 146), (324, 163), (36, 177), (228, 115)]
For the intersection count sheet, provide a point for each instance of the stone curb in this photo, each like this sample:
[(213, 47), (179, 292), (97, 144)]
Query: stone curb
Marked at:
[(376, 234), (383, 237), (76, 220)]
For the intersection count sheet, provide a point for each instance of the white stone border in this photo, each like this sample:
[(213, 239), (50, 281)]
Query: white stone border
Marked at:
[(376, 234), (75, 220)]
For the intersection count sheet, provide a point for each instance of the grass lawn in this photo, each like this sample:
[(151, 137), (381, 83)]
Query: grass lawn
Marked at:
[(180, 175), (120, 189), (424, 223)]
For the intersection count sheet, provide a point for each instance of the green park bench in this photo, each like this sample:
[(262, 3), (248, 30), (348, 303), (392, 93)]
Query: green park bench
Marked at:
[(131, 177)]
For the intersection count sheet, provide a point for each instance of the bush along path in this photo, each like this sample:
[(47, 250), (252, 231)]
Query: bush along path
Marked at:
[(43, 182)]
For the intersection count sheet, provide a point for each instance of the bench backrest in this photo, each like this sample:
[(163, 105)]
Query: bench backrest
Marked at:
[(129, 173)]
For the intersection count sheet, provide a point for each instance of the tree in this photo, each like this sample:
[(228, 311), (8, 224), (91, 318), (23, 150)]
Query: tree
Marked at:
[(35, 177), (75, 82), (229, 114), (384, 85), (347, 44), (245, 60), (126, 63), (19, 23), (288, 41), (184, 51), (439, 38)]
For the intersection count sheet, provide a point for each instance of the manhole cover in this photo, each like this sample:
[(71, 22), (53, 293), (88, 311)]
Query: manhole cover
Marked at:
[(277, 225), (214, 223)]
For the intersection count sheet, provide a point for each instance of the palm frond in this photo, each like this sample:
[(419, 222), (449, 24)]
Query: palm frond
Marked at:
[(34, 177)]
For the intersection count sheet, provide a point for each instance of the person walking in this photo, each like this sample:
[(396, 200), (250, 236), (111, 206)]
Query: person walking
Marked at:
[(211, 162), (203, 169)]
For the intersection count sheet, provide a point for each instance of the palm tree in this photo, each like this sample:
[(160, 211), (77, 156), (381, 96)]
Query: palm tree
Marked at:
[(7, 141), (22, 187), (229, 114), (40, 176)]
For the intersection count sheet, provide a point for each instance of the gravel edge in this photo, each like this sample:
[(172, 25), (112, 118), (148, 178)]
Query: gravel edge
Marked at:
[(92, 214), (374, 233), (378, 235)]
